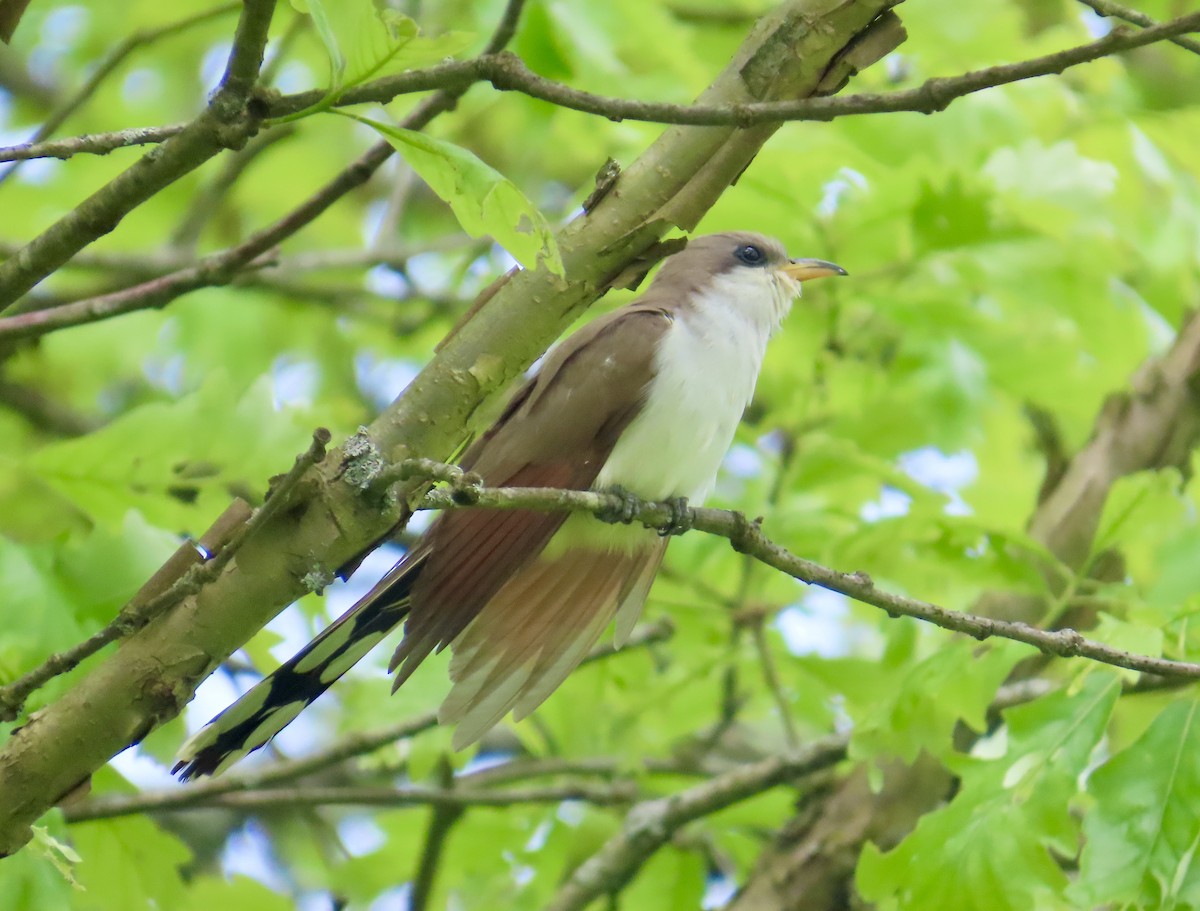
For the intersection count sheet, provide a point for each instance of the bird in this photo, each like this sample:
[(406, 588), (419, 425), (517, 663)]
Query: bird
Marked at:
[(645, 401)]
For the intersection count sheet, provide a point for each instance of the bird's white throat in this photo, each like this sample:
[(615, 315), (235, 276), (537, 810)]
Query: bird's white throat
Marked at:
[(705, 370)]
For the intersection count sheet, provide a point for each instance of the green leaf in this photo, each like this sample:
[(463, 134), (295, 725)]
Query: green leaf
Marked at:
[(671, 880), (175, 461), (61, 856), (1143, 833), (987, 849), (237, 894), (129, 863), (366, 39), (43, 875), (485, 202), (903, 705), (317, 11)]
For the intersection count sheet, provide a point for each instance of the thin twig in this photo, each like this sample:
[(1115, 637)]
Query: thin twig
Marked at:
[(773, 683), (159, 262), (747, 537), (379, 796), (90, 143), (507, 72), (1112, 10), (506, 28), (44, 412), (442, 817)]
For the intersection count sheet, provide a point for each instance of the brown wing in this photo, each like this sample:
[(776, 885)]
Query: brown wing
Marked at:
[(558, 432)]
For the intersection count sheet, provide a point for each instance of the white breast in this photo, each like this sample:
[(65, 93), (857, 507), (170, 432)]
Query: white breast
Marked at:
[(706, 368)]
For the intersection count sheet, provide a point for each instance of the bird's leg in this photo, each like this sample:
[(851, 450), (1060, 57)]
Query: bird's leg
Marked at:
[(681, 517), (623, 512)]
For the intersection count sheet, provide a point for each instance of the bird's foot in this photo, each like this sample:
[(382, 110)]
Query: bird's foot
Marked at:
[(623, 512), (681, 518)]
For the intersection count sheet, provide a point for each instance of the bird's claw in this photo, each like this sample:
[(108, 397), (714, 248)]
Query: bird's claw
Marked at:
[(623, 512), (681, 518)]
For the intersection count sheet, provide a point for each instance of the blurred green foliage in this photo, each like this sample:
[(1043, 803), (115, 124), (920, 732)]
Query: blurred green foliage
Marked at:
[(1029, 246)]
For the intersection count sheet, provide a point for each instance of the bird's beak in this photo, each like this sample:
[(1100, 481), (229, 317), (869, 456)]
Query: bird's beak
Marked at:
[(803, 270)]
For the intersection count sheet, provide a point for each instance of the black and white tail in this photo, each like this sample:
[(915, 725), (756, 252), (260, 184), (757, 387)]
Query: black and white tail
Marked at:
[(272, 703)]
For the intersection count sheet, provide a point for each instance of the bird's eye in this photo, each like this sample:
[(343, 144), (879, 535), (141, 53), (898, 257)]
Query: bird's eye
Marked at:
[(750, 255)]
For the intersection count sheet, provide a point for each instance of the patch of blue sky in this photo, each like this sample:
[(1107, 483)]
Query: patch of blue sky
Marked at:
[(743, 461), (946, 472), (248, 853), (381, 379), (719, 891), (359, 834), (387, 282), (835, 191), (212, 65), (141, 85), (943, 472), (398, 898), (1097, 26), (818, 625), (61, 30), (293, 382)]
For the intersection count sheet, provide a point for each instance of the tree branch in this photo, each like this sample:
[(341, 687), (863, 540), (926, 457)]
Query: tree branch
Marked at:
[(90, 143), (508, 73), (747, 537), (649, 825), (402, 796), (43, 412), (1112, 10)]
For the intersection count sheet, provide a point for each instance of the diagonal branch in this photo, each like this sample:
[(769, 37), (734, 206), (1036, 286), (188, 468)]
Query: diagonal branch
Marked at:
[(649, 825)]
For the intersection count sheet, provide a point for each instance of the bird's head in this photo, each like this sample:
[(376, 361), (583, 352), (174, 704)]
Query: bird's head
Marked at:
[(751, 272)]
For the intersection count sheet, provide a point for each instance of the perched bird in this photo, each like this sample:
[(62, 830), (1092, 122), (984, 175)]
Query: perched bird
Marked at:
[(644, 399)]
